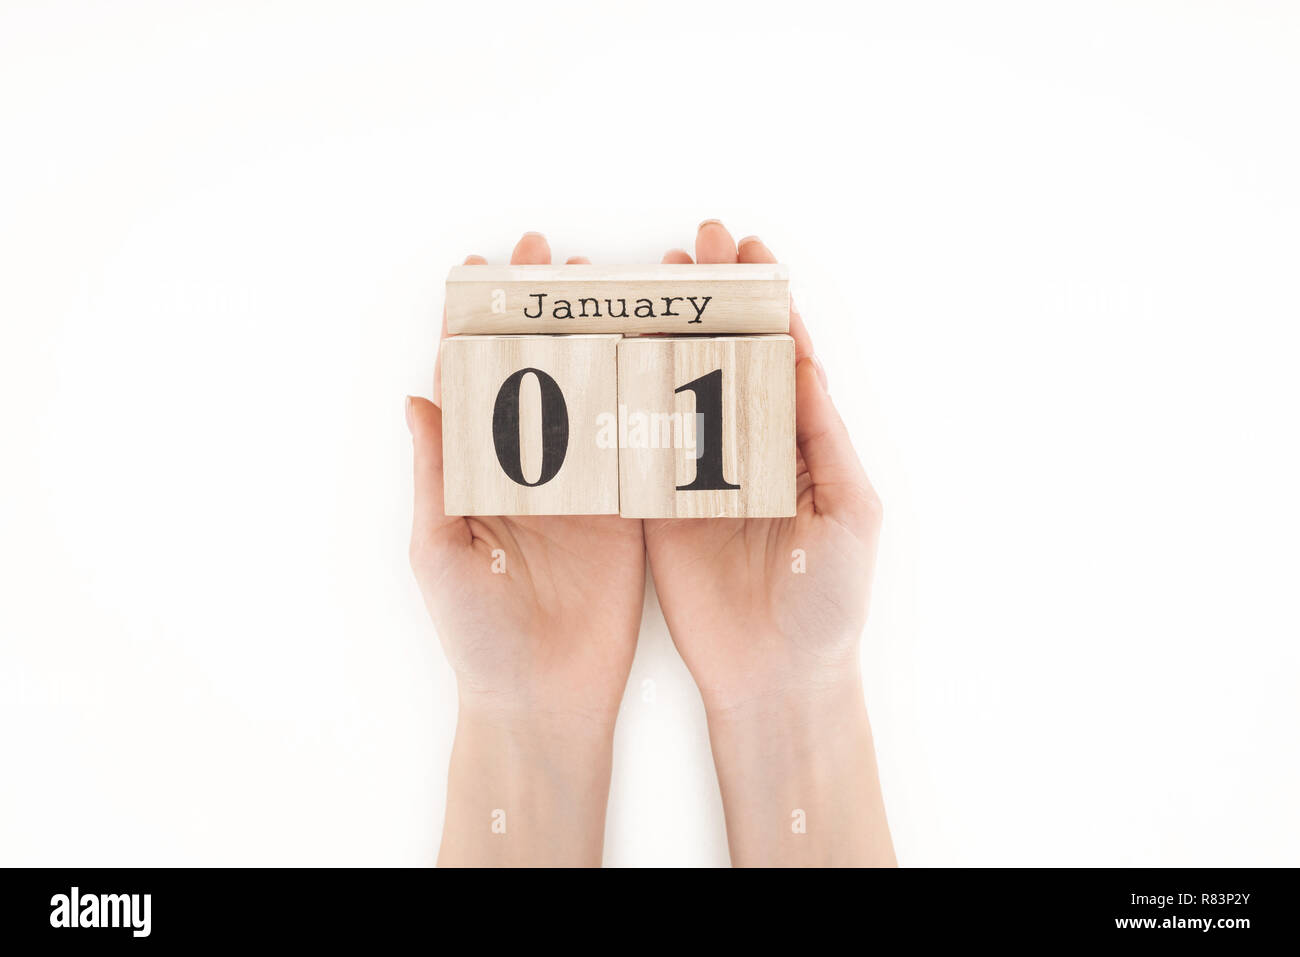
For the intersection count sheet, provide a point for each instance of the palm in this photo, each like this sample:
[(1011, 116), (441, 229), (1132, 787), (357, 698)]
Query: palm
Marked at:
[(542, 602), (744, 618)]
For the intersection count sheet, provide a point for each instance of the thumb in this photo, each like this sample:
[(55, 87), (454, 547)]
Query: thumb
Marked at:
[(424, 419), (840, 486)]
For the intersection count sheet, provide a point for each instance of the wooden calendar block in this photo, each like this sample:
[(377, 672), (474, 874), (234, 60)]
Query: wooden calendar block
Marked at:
[(706, 427), (694, 299), (521, 422)]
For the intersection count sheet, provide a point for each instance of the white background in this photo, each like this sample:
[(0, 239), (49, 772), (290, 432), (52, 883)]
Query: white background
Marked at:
[(1047, 252)]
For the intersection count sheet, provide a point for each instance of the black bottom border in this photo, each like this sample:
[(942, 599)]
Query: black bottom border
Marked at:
[(367, 908)]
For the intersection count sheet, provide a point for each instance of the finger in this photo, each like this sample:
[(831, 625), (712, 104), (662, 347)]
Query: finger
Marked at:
[(531, 250), (577, 261), (840, 486), (751, 249), (437, 363), (799, 332), (713, 244), (677, 256), (430, 525)]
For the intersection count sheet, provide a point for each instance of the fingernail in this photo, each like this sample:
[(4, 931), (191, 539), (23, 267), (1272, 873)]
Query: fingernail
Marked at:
[(708, 222), (821, 374), (410, 427), (533, 232), (748, 239)]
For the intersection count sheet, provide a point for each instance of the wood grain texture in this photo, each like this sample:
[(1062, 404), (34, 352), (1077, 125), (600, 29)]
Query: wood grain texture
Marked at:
[(757, 427), (474, 370), (695, 299)]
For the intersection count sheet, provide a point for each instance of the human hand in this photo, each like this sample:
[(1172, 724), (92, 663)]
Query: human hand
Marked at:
[(775, 651), (748, 626), (541, 653)]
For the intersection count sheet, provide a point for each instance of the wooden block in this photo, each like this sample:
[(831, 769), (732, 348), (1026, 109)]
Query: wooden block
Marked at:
[(706, 300), (706, 427), (520, 425)]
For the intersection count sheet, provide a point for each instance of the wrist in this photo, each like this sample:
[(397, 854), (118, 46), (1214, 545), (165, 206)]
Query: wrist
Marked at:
[(807, 693), (535, 722), (526, 788), (798, 777), (807, 715)]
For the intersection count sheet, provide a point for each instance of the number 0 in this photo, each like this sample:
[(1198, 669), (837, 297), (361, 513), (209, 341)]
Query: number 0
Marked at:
[(555, 427)]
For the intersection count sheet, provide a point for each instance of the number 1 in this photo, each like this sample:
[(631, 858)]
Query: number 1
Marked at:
[(708, 402)]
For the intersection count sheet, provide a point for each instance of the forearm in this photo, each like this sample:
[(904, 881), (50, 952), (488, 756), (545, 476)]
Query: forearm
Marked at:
[(526, 790), (799, 781)]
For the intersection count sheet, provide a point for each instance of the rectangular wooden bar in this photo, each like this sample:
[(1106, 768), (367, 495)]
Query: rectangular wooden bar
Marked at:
[(749, 298)]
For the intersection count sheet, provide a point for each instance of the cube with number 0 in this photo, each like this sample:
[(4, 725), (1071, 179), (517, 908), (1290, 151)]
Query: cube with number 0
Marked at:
[(707, 427), (520, 425)]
